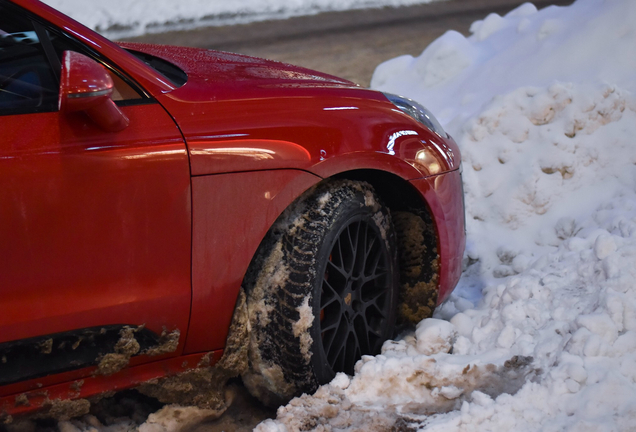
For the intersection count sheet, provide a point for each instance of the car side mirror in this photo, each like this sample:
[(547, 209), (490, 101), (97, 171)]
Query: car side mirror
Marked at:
[(86, 86)]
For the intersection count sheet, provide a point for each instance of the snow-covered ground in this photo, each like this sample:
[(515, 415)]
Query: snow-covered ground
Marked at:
[(541, 332), (124, 18)]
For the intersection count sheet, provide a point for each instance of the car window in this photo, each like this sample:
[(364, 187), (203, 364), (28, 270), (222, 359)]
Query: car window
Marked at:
[(30, 67), (173, 73), (27, 82)]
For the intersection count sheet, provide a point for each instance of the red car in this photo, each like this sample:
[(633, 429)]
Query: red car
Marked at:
[(169, 212)]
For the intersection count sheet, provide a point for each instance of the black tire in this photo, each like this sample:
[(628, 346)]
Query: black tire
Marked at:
[(324, 292)]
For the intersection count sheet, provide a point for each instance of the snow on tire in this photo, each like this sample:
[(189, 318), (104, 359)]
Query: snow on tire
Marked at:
[(322, 290)]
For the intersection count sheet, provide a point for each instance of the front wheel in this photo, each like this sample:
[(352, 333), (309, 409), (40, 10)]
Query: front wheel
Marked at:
[(325, 292)]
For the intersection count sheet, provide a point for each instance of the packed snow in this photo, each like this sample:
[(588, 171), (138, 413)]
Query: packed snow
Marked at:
[(123, 18), (541, 331)]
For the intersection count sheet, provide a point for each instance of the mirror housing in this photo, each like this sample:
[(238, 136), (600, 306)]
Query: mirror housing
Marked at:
[(86, 86)]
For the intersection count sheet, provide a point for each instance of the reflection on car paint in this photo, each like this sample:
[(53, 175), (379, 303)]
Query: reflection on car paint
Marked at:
[(391, 144)]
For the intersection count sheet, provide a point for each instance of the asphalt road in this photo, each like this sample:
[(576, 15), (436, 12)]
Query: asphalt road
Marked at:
[(348, 44)]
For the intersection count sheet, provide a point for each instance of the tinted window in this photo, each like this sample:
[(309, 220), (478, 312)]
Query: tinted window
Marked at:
[(176, 75), (27, 82)]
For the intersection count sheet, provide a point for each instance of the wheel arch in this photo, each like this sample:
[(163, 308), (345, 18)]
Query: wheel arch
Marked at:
[(401, 197), (396, 193)]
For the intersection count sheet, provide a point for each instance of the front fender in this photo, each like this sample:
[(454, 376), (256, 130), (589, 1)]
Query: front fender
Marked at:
[(231, 213)]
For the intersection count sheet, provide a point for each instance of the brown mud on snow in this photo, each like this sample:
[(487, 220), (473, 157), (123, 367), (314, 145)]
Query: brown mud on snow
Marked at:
[(46, 347), (419, 267), (22, 400), (126, 347), (64, 409), (330, 409), (448, 393), (204, 386), (335, 408), (168, 343)]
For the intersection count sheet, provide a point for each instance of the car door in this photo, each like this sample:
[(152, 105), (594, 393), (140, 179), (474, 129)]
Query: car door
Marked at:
[(95, 226)]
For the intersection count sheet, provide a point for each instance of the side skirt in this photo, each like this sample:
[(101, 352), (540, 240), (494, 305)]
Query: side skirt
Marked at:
[(47, 397), (32, 358)]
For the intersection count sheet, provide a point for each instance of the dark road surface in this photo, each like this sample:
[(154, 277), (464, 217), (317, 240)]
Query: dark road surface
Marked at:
[(348, 44)]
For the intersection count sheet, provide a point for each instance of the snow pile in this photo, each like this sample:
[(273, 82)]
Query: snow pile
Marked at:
[(590, 41), (544, 119), (123, 18), (541, 332)]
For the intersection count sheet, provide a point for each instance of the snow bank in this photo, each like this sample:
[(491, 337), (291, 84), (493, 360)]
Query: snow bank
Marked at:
[(590, 41), (541, 332), (123, 18)]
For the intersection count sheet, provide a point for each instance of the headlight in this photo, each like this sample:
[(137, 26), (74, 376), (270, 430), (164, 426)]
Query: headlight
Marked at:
[(418, 112)]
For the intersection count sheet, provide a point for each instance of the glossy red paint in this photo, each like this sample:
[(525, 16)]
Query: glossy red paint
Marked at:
[(232, 214), (223, 104), (83, 79), (157, 223), (96, 227), (86, 86)]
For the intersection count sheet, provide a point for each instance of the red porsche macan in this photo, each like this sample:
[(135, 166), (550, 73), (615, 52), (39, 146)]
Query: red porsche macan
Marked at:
[(181, 216)]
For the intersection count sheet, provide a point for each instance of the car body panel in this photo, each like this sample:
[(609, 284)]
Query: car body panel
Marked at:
[(176, 204), (232, 214), (95, 227)]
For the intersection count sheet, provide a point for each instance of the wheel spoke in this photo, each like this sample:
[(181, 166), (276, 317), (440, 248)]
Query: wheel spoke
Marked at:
[(328, 328), (328, 293), (354, 302), (374, 333), (374, 261), (340, 273), (348, 250), (334, 300), (339, 362), (371, 293), (361, 256), (337, 342), (378, 311), (353, 352), (338, 258), (356, 247), (362, 333), (369, 250)]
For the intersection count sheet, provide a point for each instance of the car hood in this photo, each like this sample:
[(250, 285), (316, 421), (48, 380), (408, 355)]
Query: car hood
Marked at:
[(239, 113), (211, 68)]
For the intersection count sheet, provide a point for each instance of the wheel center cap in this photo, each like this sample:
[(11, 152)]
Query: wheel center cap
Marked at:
[(347, 299)]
